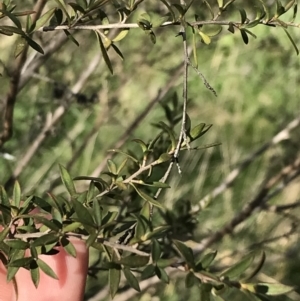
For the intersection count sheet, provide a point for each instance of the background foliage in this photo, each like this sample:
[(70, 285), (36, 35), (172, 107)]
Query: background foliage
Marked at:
[(257, 86)]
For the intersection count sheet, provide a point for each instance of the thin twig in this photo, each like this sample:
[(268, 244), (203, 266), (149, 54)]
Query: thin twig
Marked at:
[(27, 236), (135, 25)]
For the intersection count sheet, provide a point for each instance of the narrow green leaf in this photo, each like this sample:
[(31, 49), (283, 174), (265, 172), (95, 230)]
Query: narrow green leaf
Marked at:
[(170, 133), (34, 45), (46, 239), (142, 227), (62, 5), (91, 239), (185, 252), (149, 271), (118, 51), (121, 35), (155, 250), (146, 197), (46, 268), (197, 131), (243, 15), (68, 246), (205, 38), (258, 266), (207, 259), (244, 36), (16, 199), (190, 280), (44, 18), (125, 154), (161, 274), (292, 41), (11, 272), (35, 273), (97, 211), (142, 144), (50, 224), (279, 9), (71, 38), (104, 53), (295, 11), (180, 9), (252, 23), (12, 17), (134, 261), (220, 3), (17, 244), (3, 233), (114, 276), (77, 7), (272, 289), (22, 262), (83, 214), (157, 232), (20, 46), (122, 166), (195, 49), (131, 279), (240, 267), (67, 181), (164, 158), (209, 8), (71, 227), (112, 166)]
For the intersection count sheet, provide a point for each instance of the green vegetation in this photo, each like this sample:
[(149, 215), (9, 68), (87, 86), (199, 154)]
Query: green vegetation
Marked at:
[(71, 112)]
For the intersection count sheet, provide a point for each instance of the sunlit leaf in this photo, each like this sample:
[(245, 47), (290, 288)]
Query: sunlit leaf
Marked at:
[(44, 18), (205, 38), (121, 35)]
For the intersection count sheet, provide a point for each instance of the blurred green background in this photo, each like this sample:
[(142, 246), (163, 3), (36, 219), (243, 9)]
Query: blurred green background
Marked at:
[(258, 95)]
